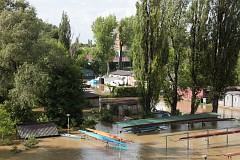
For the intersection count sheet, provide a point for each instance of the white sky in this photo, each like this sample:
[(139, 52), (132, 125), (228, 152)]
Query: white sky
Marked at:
[(82, 13)]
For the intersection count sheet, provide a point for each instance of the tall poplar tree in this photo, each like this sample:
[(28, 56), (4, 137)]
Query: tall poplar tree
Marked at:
[(224, 46), (198, 18), (103, 31), (64, 32), (150, 50), (178, 43), (125, 33)]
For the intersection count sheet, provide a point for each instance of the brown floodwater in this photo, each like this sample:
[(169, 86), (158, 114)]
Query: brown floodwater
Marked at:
[(145, 146), (163, 144)]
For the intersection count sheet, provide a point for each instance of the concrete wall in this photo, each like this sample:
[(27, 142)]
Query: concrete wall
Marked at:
[(135, 109)]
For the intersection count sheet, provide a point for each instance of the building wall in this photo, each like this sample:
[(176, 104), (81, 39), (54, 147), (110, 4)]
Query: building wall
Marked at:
[(228, 100), (135, 109), (236, 101), (231, 99), (94, 102), (127, 80), (187, 94)]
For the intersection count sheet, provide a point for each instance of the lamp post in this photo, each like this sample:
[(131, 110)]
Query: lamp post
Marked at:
[(205, 157), (68, 115)]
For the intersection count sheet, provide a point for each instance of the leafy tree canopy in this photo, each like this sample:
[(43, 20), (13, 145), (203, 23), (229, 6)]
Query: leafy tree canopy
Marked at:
[(104, 34)]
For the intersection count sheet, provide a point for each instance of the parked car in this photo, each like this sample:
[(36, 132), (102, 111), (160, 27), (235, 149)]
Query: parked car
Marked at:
[(159, 114)]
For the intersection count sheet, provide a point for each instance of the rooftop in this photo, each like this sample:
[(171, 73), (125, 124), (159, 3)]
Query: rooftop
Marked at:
[(123, 73)]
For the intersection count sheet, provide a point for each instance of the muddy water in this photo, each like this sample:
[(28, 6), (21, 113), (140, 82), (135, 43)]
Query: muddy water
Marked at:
[(146, 146)]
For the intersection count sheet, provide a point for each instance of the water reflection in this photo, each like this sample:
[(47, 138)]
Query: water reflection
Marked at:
[(146, 146)]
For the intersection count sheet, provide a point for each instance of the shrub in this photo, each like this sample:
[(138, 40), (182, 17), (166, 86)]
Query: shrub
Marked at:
[(178, 112), (43, 118), (89, 123), (8, 140), (7, 130), (114, 110), (30, 142), (127, 112), (125, 92), (106, 116), (15, 149), (73, 124)]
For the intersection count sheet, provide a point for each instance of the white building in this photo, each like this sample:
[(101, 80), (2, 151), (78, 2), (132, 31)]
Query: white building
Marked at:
[(232, 99)]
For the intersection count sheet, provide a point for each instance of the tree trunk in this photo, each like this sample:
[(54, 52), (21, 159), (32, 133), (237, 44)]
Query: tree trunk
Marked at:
[(215, 103), (108, 68), (148, 97), (175, 96), (148, 106), (175, 82), (120, 55), (193, 101), (173, 109)]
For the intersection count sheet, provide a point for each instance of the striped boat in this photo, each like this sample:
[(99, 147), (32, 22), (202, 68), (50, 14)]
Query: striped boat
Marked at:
[(70, 136), (107, 139), (108, 135)]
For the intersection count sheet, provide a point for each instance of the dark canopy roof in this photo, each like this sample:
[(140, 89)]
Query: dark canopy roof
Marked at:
[(45, 129), (167, 120), (123, 73)]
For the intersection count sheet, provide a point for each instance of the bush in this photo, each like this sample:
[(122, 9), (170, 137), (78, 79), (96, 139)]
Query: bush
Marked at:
[(114, 110), (7, 140), (7, 130), (127, 112), (73, 124), (30, 142), (106, 116), (178, 112), (15, 149), (89, 123), (125, 92), (43, 118)]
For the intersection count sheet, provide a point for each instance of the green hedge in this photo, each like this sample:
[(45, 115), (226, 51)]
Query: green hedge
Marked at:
[(125, 92)]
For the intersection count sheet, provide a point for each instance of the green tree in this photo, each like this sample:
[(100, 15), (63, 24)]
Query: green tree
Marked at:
[(103, 31), (238, 71), (35, 69), (224, 46), (30, 84), (18, 38), (48, 31), (177, 54), (65, 93), (6, 125), (76, 49), (150, 47), (125, 35), (64, 31), (198, 17), (4, 4)]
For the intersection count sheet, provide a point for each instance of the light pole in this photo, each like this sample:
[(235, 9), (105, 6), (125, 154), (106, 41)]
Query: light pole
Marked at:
[(205, 157), (68, 115)]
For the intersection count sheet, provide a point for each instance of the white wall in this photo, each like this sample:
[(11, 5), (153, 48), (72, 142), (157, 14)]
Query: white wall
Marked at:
[(231, 99), (228, 99), (236, 101)]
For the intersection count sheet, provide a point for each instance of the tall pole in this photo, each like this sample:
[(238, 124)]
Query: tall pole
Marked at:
[(227, 136), (68, 115), (208, 139), (166, 145)]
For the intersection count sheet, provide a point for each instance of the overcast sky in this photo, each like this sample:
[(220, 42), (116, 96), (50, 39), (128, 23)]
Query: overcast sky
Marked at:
[(82, 13)]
